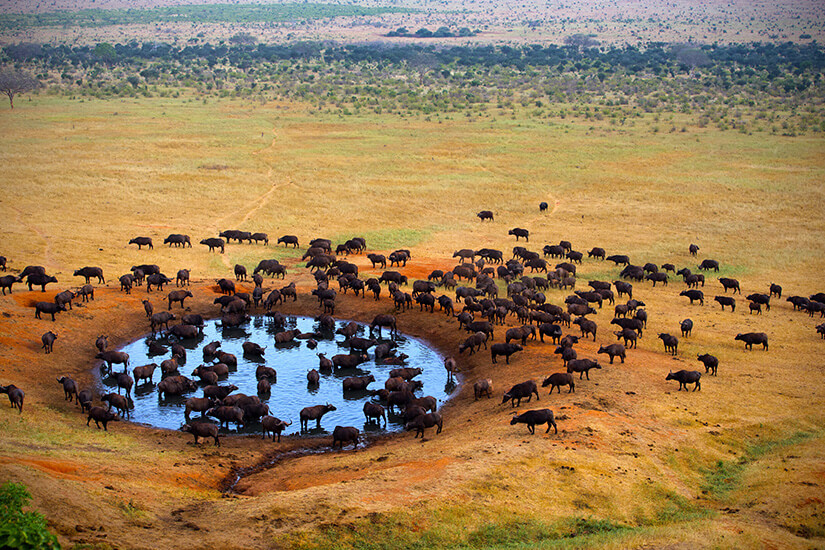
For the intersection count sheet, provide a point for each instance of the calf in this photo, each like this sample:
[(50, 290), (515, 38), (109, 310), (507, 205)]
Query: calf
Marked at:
[(762, 299), (670, 342), (685, 377), (710, 362), (559, 379), (629, 336), (536, 417), (776, 290), (481, 387), (524, 390)]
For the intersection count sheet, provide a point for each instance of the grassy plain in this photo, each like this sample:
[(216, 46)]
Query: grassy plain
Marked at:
[(635, 463)]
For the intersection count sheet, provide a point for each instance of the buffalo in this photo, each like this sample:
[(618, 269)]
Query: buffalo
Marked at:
[(48, 339), (613, 350), (345, 434), (751, 338), (425, 421), (559, 379), (670, 342), (101, 415), (15, 394), (213, 243), (685, 377), (726, 301), (273, 425), (202, 429), (534, 418), (582, 366), (177, 240), (89, 272), (711, 363), (523, 390), (314, 413)]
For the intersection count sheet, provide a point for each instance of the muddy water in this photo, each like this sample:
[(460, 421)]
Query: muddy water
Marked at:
[(291, 392)]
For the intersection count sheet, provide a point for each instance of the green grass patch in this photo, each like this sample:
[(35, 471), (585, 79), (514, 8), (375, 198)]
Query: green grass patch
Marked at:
[(459, 527), (726, 476), (207, 13), (389, 239)]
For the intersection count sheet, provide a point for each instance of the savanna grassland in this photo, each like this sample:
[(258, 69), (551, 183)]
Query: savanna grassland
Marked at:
[(635, 463), (147, 127)]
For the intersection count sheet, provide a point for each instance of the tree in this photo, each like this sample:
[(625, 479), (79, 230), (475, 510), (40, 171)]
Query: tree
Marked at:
[(13, 82)]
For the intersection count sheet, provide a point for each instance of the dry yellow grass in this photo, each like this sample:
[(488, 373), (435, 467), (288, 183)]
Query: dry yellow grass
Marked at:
[(632, 452)]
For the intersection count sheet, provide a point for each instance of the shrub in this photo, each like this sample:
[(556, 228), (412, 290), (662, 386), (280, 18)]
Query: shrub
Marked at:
[(19, 529)]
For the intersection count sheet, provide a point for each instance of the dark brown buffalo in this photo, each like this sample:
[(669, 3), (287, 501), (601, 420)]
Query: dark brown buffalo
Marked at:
[(214, 243), (49, 308), (15, 394), (202, 429), (144, 372), (751, 338), (99, 414), (178, 296), (534, 418), (270, 424), (559, 379), (176, 385), (226, 414), (524, 390), (142, 241), (345, 434), (89, 272), (423, 421), (69, 387), (314, 413), (613, 350), (685, 377), (48, 339), (376, 411), (114, 357)]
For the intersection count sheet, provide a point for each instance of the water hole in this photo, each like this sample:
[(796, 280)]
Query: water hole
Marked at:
[(291, 392)]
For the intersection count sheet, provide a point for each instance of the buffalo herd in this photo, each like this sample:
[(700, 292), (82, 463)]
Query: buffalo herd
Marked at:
[(476, 282)]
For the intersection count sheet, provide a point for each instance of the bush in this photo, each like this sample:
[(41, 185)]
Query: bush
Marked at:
[(19, 529)]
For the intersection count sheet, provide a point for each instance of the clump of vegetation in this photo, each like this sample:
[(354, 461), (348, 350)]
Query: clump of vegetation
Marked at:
[(19, 529), (744, 87)]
